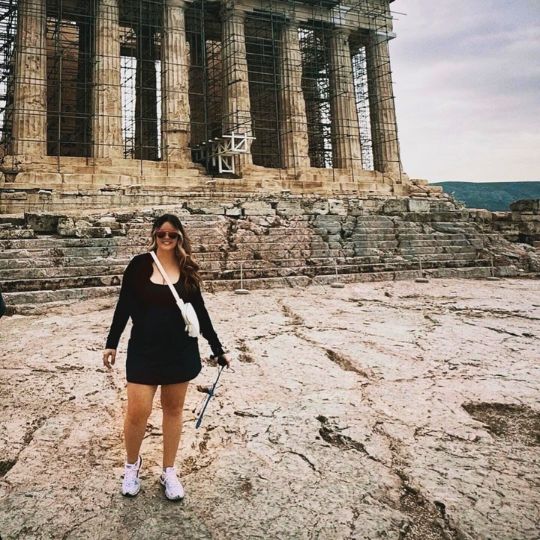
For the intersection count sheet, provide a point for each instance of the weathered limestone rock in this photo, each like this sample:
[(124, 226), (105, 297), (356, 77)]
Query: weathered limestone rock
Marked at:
[(289, 239), (289, 208), (418, 206), (42, 222), (396, 206), (66, 226), (318, 207), (337, 207), (400, 410), (258, 208)]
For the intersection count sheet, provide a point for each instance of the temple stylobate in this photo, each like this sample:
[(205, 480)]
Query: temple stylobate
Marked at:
[(279, 94)]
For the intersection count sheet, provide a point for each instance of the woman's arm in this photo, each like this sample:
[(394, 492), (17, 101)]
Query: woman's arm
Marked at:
[(207, 330), (2, 305), (123, 308)]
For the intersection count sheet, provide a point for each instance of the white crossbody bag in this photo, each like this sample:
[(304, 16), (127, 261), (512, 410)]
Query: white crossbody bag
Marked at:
[(187, 310)]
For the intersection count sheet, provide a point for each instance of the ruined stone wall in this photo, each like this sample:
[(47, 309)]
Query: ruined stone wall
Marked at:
[(266, 241), (521, 224)]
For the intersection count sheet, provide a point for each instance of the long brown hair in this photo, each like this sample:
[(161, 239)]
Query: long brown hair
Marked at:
[(189, 269)]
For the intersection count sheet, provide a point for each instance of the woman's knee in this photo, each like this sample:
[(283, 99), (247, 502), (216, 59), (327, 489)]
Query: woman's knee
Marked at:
[(172, 408), (137, 414), (172, 399)]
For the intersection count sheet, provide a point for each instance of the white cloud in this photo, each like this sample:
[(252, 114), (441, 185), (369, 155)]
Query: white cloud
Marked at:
[(466, 80)]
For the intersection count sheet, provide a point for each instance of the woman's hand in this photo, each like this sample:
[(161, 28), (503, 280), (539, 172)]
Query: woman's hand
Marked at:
[(223, 360), (109, 353)]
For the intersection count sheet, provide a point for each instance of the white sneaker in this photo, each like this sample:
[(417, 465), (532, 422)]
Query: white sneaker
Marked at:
[(131, 484), (174, 490)]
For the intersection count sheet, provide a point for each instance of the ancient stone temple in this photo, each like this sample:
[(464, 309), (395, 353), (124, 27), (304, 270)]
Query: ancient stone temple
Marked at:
[(268, 126), (256, 95)]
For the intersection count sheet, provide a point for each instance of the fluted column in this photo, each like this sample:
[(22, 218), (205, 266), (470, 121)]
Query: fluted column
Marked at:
[(30, 91), (175, 112), (236, 102), (346, 148), (107, 97), (294, 136), (381, 105)]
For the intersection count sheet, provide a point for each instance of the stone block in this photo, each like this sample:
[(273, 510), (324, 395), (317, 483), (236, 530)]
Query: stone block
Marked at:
[(328, 224), (288, 208), (318, 207), (480, 214), (206, 207), (395, 206), (421, 206), (42, 222), (66, 226), (235, 211), (337, 207), (258, 208)]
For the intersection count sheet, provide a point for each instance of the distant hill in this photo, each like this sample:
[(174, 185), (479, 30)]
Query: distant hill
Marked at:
[(491, 195)]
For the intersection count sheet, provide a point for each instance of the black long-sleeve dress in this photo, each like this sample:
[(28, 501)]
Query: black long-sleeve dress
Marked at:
[(160, 351)]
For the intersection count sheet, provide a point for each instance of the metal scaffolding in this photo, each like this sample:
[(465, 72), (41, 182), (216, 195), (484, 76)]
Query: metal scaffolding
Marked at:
[(298, 83)]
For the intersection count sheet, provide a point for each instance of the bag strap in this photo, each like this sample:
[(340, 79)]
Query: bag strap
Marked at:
[(179, 301)]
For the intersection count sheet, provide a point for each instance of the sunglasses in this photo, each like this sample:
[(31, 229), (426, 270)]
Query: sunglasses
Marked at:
[(172, 235)]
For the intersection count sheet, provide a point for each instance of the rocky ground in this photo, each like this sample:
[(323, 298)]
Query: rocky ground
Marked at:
[(394, 410)]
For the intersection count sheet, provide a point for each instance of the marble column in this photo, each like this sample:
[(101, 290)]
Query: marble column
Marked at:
[(346, 148), (84, 98), (294, 136), (30, 89), (107, 139), (236, 101), (175, 112), (381, 104), (146, 132)]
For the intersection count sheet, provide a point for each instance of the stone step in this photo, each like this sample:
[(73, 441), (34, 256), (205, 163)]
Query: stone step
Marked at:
[(31, 299), (60, 271), (66, 262), (36, 302), (81, 256), (81, 266), (83, 280), (53, 283)]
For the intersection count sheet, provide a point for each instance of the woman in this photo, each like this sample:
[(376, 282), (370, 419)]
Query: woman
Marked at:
[(160, 351)]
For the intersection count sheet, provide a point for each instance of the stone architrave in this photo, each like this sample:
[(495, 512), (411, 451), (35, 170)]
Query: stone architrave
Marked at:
[(381, 105), (30, 89), (107, 138), (346, 147), (236, 101), (175, 112), (294, 136)]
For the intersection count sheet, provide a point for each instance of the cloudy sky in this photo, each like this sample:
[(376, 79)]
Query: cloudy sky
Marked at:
[(467, 86)]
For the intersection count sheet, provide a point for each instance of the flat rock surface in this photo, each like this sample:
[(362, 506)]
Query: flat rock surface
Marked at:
[(394, 410)]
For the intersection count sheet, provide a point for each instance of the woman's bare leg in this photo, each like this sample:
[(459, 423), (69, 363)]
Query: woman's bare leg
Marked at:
[(140, 398), (172, 402)]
